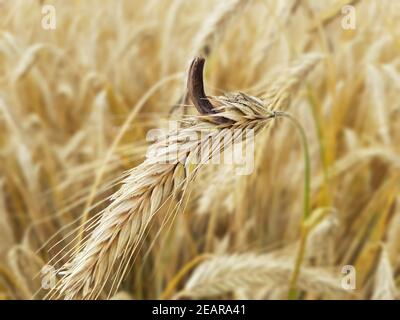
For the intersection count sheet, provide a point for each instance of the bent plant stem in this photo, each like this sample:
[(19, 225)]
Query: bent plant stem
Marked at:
[(306, 206), (179, 276)]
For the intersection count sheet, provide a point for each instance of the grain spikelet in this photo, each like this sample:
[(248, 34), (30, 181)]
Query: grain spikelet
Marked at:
[(224, 274)]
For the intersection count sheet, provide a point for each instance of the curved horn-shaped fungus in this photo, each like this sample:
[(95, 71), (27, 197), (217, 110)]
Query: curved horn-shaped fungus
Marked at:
[(196, 92)]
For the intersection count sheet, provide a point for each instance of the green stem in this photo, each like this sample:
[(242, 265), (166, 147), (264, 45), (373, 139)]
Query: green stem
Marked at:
[(306, 204), (307, 165)]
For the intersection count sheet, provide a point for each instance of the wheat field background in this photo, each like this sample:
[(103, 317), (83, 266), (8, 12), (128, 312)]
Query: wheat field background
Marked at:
[(76, 104)]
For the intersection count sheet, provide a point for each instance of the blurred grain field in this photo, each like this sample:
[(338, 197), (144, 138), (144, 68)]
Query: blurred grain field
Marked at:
[(77, 102)]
